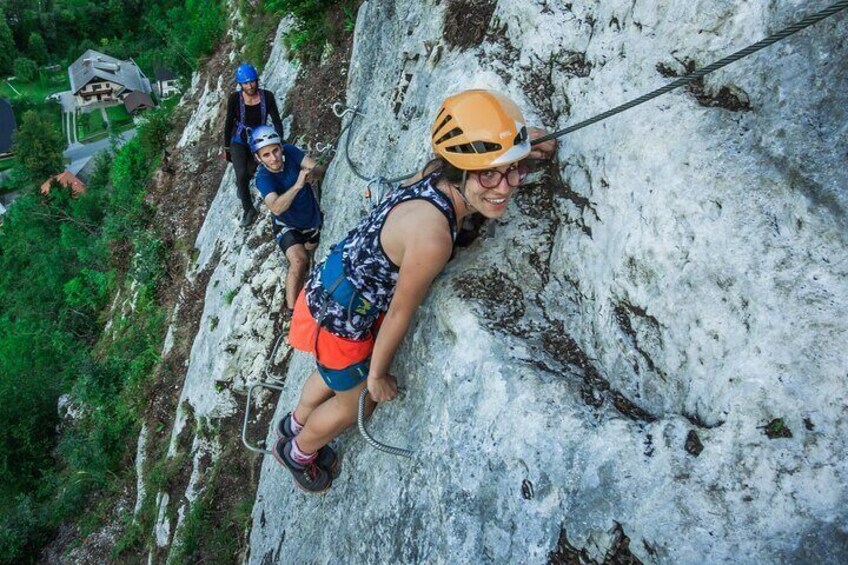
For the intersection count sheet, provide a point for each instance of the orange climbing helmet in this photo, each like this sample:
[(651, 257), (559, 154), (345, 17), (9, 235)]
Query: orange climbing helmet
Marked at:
[(480, 129)]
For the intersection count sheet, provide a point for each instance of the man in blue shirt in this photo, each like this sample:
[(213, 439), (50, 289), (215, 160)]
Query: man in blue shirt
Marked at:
[(249, 107), (283, 180)]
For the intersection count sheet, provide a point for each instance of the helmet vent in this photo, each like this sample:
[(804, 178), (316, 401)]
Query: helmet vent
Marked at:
[(463, 148), (443, 123), (449, 135), (521, 137), (475, 147)]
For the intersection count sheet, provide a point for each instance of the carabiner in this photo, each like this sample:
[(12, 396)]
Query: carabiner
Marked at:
[(375, 195)]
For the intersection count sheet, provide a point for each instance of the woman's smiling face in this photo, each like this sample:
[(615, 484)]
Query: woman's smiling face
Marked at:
[(490, 190)]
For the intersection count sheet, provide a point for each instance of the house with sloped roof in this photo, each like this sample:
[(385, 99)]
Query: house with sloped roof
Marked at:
[(7, 127), (100, 80), (136, 102), (66, 179), (165, 84)]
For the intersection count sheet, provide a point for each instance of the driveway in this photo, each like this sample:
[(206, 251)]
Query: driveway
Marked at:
[(79, 151), (69, 115)]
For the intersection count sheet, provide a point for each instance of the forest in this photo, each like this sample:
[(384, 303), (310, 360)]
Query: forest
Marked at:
[(81, 322), (56, 32), (63, 258)]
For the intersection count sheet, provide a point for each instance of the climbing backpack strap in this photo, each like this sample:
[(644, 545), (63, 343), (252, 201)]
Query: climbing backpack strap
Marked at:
[(338, 288), (263, 114)]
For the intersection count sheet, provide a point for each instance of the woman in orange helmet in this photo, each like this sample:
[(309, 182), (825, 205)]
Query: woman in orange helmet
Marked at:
[(379, 274)]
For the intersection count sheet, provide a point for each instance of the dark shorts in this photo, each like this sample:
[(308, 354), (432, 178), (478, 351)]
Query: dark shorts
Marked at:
[(287, 236)]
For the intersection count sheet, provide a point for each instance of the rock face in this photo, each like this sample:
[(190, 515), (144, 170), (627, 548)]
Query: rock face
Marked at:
[(240, 304), (646, 358)]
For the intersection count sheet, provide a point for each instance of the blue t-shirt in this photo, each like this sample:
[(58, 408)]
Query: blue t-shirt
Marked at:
[(304, 212)]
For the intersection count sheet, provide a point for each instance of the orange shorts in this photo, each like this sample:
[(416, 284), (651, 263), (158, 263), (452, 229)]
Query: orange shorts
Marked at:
[(333, 352)]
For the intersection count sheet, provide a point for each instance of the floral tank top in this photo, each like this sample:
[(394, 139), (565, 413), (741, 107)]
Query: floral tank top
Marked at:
[(366, 264)]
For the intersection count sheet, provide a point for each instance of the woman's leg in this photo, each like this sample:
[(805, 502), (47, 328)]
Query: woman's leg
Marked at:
[(315, 392), (331, 418)]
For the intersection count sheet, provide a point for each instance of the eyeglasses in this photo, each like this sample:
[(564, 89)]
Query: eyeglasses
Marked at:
[(491, 178)]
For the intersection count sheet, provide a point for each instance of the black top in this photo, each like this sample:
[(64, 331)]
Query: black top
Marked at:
[(252, 118)]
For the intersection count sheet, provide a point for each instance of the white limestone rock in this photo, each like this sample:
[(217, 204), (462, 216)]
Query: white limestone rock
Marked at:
[(685, 272), (244, 294), (140, 459), (207, 109)]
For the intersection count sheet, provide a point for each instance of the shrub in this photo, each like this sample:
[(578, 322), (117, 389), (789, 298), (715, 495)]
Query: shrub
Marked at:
[(310, 32), (38, 147), (25, 69)]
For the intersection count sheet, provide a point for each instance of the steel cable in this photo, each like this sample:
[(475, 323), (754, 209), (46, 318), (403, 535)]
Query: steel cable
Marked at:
[(695, 75)]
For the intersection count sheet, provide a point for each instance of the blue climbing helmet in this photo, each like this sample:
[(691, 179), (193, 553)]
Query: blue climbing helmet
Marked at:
[(246, 73), (263, 136)]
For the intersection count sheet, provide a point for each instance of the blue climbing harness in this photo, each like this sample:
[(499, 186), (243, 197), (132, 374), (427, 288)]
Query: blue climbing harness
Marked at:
[(240, 126), (339, 288)]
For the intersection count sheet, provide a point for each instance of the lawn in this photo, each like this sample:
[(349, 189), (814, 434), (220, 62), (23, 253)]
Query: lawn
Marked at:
[(169, 103), (90, 126), (35, 91), (32, 97), (118, 116)]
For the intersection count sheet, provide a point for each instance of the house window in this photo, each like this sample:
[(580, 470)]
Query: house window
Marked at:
[(96, 87)]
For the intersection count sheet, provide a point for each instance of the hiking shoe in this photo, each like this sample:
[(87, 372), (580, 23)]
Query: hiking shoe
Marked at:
[(284, 427), (248, 217), (308, 478), (327, 458)]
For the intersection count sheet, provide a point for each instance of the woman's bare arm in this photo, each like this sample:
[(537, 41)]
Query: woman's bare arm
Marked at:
[(425, 256)]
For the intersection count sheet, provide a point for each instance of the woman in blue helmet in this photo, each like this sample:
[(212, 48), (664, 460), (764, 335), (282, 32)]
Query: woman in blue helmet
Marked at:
[(283, 180), (247, 108)]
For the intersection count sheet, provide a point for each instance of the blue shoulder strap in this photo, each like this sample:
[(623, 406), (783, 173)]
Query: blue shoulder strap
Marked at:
[(240, 127), (262, 113)]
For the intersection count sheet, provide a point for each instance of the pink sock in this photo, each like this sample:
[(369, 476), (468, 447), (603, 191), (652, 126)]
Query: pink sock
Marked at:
[(296, 426), (301, 457)]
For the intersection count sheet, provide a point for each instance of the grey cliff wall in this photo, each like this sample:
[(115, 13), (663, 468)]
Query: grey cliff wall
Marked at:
[(605, 360)]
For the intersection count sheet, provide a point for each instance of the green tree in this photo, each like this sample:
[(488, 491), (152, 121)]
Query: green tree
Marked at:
[(38, 147), (25, 69), (7, 46), (310, 32), (37, 49)]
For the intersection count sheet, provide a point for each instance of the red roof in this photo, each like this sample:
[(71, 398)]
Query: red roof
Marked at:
[(66, 179)]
